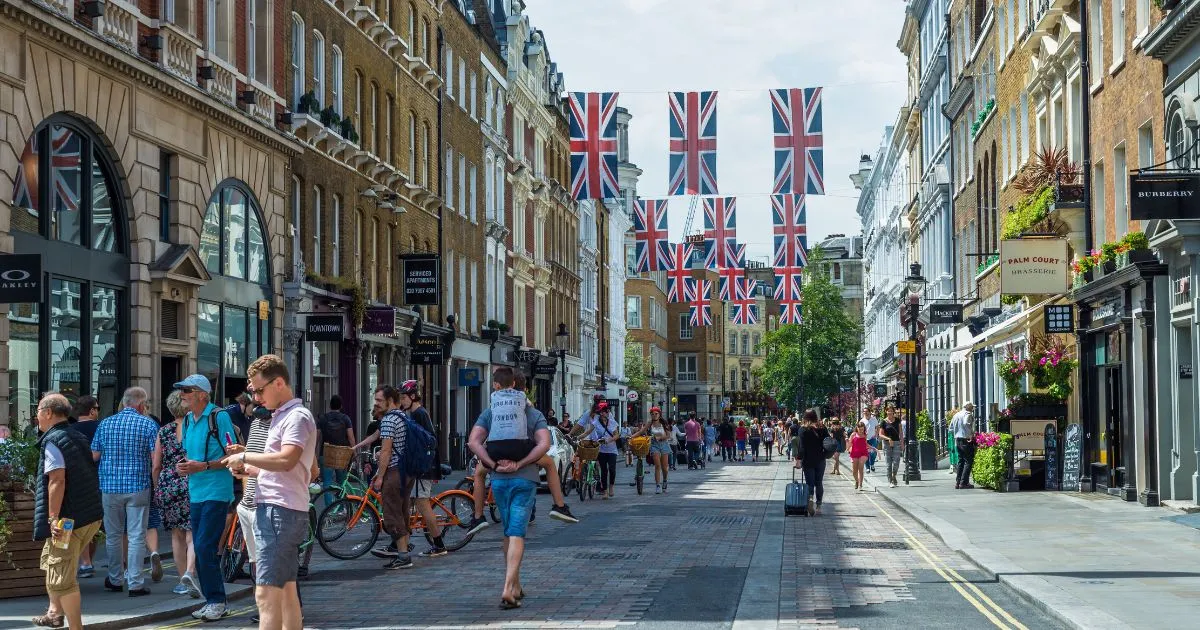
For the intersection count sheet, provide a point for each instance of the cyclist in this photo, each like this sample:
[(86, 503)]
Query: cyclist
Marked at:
[(410, 404), (504, 393), (660, 447), (605, 431)]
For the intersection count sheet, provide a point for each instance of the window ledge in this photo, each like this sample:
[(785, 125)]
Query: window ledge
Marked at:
[(1116, 67), (1096, 87)]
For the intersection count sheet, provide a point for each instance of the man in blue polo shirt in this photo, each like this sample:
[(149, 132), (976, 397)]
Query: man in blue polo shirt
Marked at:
[(205, 431)]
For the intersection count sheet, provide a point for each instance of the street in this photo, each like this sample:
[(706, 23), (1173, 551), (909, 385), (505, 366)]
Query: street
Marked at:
[(716, 552)]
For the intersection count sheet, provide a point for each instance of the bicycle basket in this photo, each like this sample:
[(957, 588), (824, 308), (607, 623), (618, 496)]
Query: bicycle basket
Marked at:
[(640, 446), (589, 450), (338, 457), (580, 430)]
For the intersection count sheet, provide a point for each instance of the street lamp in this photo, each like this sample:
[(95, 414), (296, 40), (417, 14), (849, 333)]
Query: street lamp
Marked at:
[(916, 288), (561, 341), (839, 362)]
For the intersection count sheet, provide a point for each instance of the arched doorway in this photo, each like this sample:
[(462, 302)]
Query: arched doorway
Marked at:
[(233, 313), (68, 208)]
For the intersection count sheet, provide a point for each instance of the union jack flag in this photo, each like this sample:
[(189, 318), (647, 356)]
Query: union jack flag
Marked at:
[(745, 309), (651, 246), (693, 143), (789, 294), (594, 145), (65, 165), (720, 232), (679, 273), (789, 215), (734, 273), (799, 143), (699, 297)]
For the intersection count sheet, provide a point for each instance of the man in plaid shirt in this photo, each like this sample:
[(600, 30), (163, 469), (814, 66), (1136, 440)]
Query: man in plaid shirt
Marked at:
[(123, 445)]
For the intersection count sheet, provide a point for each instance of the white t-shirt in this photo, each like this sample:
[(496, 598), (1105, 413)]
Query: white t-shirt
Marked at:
[(872, 427), (53, 458)]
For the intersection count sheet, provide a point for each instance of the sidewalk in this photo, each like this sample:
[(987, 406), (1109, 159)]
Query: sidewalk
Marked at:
[(105, 610), (1091, 560)]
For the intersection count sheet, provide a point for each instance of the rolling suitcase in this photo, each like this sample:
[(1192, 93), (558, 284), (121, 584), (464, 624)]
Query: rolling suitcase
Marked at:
[(795, 498)]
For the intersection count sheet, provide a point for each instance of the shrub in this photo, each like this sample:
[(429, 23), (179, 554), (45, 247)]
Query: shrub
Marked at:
[(991, 462), (1029, 211), (924, 427)]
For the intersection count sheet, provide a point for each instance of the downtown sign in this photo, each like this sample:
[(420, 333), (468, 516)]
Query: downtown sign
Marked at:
[(1034, 266), (1164, 195)]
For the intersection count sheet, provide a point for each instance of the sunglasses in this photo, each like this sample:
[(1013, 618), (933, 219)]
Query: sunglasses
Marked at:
[(188, 390)]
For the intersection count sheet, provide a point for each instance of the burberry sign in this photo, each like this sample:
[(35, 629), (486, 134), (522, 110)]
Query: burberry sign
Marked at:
[(1164, 195)]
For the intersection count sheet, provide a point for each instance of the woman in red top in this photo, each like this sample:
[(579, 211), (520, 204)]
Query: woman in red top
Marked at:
[(859, 449), (739, 434)]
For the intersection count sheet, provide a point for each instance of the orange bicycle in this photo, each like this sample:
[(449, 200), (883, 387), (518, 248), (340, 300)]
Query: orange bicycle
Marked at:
[(350, 526)]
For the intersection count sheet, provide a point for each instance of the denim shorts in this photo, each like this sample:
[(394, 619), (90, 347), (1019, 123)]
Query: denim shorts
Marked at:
[(514, 500), (660, 447), (278, 534)]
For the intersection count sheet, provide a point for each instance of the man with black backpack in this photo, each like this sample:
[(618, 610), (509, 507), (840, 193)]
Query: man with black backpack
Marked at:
[(336, 429), (407, 460)]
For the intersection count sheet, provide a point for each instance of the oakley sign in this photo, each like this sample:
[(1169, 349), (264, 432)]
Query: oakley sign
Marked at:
[(20, 278)]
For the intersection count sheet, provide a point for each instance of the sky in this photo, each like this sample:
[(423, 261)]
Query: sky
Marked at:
[(741, 48)]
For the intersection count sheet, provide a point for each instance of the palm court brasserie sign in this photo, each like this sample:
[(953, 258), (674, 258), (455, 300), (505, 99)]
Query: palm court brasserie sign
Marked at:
[(1164, 195), (1033, 266)]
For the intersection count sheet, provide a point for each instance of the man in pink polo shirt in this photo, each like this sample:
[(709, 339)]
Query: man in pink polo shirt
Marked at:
[(284, 470)]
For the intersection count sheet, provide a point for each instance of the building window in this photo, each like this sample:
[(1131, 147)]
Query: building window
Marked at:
[(374, 257), (745, 344), (373, 104), (179, 13), (1179, 142), (358, 243), (1120, 181), (448, 67), (685, 327), (472, 192), (165, 173), (335, 58), (232, 241), (474, 97), (297, 250), (425, 36), (358, 93), (757, 343), (297, 60), (462, 184), (633, 311), (318, 78), (316, 255), (1118, 31), (448, 178), (686, 367), (425, 155), (220, 28), (412, 147), (388, 155), (335, 258)]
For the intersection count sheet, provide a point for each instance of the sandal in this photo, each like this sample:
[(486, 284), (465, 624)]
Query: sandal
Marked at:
[(509, 604), (49, 621), (521, 595)]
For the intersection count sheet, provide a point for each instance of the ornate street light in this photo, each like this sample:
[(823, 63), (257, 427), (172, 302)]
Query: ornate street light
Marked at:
[(916, 288), (562, 340)]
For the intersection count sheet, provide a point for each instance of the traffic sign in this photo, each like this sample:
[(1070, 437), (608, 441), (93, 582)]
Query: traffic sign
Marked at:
[(906, 347), (632, 395)]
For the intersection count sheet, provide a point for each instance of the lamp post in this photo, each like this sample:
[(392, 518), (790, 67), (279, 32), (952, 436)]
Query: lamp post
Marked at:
[(839, 363), (562, 340), (915, 283)]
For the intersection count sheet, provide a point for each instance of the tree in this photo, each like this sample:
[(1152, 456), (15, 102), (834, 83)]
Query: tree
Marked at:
[(799, 365), (636, 368)]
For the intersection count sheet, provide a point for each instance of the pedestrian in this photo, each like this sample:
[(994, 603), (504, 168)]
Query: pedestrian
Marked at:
[(963, 429), (205, 432), (951, 447), (67, 488), (394, 487), (605, 431), (725, 435), (623, 442), (890, 437), (811, 458), (660, 447), (239, 410), (838, 431), (171, 494), (680, 437), (739, 435), (337, 430), (755, 439), (768, 438), (86, 411), (692, 436), (859, 450), (284, 470), (710, 438), (872, 439), (410, 404), (124, 447), (514, 484)]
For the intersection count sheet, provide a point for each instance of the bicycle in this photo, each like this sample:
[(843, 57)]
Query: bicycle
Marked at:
[(350, 526), (639, 447), (361, 466), (589, 472), (468, 485)]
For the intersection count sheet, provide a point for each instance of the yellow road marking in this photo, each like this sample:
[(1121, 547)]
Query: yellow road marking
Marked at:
[(196, 622), (955, 579)]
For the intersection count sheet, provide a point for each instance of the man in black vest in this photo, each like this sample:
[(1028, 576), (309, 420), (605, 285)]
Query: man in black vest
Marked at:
[(68, 487)]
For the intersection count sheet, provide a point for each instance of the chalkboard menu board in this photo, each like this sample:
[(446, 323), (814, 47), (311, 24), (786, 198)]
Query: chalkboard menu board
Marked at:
[(1072, 457), (1051, 448)]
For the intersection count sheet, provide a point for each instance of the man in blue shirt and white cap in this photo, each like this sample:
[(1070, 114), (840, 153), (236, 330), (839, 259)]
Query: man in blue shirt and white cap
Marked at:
[(205, 431)]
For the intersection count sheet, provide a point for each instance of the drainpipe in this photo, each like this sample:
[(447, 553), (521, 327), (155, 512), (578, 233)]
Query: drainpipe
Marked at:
[(1149, 496), (444, 427), (1088, 417)]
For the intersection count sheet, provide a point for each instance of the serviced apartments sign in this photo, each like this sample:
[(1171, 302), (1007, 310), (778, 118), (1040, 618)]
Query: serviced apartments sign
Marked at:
[(1033, 266), (421, 281)]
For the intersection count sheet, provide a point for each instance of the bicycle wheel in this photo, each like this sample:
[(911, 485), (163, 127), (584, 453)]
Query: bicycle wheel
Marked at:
[(640, 475), (233, 558), (583, 482), (343, 536), (453, 518), (466, 485)]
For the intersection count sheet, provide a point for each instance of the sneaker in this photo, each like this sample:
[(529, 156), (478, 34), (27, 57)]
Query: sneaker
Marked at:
[(477, 525), (189, 582), (86, 571), (401, 562), (657, 488), (139, 592), (563, 514), (156, 570), (893, 484), (389, 551), (116, 588), (434, 552), (180, 589), (213, 612)]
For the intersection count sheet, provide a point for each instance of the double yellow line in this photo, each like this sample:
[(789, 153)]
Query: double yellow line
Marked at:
[(984, 604), (196, 622)]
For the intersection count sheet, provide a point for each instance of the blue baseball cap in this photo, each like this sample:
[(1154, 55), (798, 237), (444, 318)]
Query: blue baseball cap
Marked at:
[(198, 381)]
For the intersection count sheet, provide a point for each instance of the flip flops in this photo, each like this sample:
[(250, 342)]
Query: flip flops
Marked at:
[(509, 604)]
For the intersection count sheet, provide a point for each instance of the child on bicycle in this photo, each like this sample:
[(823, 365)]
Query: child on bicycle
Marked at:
[(508, 396)]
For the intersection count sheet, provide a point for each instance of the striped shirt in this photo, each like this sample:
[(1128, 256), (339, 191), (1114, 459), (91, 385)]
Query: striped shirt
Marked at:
[(125, 442), (256, 442)]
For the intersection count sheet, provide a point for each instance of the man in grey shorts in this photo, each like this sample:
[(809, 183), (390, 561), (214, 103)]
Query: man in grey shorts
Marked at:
[(284, 470)]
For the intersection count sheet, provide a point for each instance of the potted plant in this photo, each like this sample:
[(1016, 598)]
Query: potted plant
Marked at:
[(308, 103), (927, 445), (1012, 373), (19, 554), (330, 118), (503, 327), (990, 469), (1135, 248), (1082, 268), (346, 130)]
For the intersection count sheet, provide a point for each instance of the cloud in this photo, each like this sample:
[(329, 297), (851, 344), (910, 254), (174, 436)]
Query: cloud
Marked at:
[(645, 48)]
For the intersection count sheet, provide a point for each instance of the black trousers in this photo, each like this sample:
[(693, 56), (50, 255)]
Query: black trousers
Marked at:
[(608, 470), (693, 451), (814, 476), (966, 459)]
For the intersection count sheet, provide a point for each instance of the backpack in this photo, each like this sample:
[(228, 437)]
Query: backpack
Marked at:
[(212, 430), (420, 450), (829, 445)]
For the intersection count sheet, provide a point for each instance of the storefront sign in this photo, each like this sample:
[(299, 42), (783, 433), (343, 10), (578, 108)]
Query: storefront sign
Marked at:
[(427, 350), (20, 278), (545, 369), (1108, 312), (906, 347), (1028, 435), (421, 279), (880, 389), (324, 328), (1164, 196), (468, 377), (379, 320), (1051, 449), (1185, 370), (1072, 457), (945, 314), (264, 310), (1033, 266), (1059, 318)]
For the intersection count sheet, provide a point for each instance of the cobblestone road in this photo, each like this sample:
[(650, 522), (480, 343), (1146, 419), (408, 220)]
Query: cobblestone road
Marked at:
[(714, 553)]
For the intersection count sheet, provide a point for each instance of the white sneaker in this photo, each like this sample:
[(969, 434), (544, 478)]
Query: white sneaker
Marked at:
[(657, 489), (193, 590), (213, 612), (199, 612)]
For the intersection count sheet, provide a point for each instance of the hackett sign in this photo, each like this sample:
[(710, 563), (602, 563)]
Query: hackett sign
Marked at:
[(1033, 266), (1164, 196)]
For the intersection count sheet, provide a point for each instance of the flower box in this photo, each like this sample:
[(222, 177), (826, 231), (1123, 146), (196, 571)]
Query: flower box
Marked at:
[(20, 574)]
